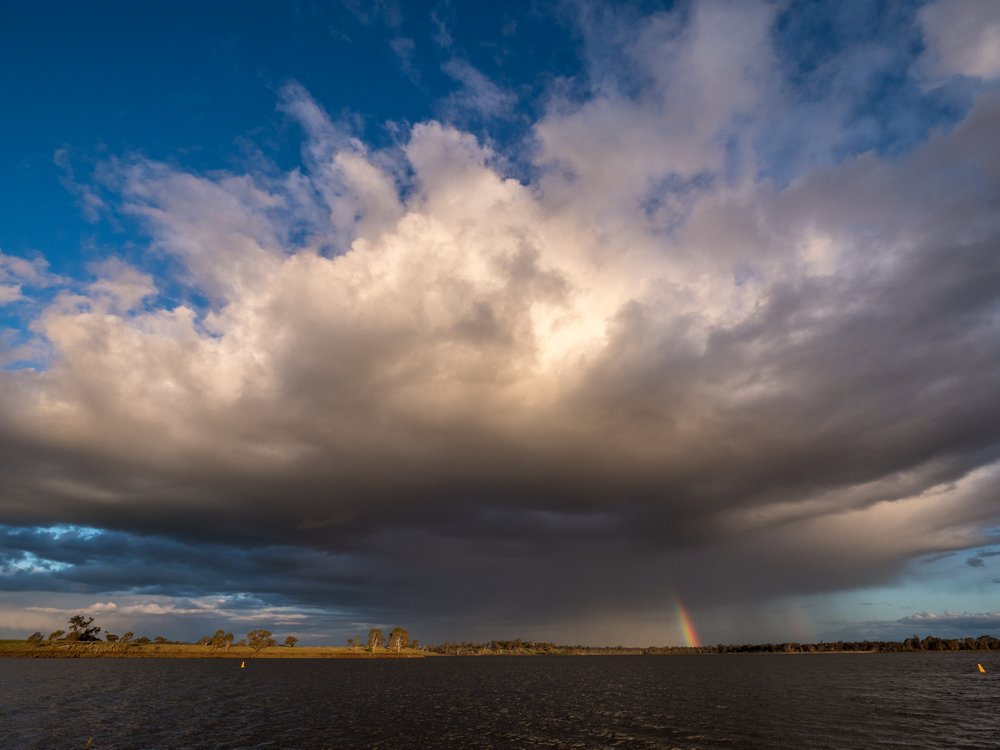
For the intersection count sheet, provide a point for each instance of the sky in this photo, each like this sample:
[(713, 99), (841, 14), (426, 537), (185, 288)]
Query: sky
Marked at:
[(608, 323)]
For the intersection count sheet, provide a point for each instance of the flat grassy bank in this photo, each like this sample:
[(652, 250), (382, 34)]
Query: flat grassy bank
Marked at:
[(102, 650)]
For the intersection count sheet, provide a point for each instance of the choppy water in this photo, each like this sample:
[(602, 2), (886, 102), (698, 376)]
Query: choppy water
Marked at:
[(731, 701)]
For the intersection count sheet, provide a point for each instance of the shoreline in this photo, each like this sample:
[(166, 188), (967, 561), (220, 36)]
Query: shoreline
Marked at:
[(102, 650)]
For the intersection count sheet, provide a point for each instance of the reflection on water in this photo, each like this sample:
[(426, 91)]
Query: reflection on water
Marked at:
[(737, 701)]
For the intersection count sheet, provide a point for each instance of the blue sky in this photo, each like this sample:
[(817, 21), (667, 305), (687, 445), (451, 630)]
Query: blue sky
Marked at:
[(540, 320)]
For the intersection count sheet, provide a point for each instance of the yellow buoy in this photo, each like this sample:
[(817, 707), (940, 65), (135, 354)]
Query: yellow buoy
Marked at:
[(243, 665), (981, 668)]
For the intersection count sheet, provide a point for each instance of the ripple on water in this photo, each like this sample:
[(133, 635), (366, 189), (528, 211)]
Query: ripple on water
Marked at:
[(798, 702)]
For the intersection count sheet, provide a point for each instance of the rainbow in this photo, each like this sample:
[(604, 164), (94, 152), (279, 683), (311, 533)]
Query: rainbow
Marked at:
[(687, 627)]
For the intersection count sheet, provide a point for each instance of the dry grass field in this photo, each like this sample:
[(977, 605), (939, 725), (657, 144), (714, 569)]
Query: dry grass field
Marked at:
[(100, 649)]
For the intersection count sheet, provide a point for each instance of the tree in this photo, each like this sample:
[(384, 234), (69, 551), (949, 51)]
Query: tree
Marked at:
[(260, 639), (125, 642), (111, 638), (220, 638), (55, 635), (81, 628), (160, 640), (375, 639), (290, 641), (399, 639), (36, 638), (144, 640)]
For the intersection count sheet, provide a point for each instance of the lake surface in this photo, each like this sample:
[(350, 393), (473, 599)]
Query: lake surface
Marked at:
[(711, 701)]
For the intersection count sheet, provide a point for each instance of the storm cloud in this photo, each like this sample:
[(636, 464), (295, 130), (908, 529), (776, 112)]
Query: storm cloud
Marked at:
[(410, 384)]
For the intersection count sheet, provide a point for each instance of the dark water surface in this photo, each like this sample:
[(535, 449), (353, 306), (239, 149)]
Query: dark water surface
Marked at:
[(731, 701)]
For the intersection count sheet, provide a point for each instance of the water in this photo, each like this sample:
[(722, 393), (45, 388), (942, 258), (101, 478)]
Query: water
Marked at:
[(732, 701)]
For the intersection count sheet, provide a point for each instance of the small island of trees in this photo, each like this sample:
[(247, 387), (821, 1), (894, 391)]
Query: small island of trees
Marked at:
[(84, 638)]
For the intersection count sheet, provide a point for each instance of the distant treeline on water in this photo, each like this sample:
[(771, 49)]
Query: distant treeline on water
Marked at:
[(83, 631), (914, 643)]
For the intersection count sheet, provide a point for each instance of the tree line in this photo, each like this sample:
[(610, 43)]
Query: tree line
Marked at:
[(83, 630), (398, 639), (255, 639), (915, 643)]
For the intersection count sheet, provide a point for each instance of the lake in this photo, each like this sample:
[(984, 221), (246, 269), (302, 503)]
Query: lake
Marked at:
[(693, 701)]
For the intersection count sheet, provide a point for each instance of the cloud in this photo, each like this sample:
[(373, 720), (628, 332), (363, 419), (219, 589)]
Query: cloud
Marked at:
[(25, 285), (203, 607), (17, 273), (403, 48), (478, 94), (357, 190), (962, 37), (410, 385), (967, 622), (120, 285), (177, 617), (667, 100), (9, 293), (90, 202), (387, 12)]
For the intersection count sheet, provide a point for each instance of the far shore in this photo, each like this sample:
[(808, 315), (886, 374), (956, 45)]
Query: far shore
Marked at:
[(23, 649), (103, 650)]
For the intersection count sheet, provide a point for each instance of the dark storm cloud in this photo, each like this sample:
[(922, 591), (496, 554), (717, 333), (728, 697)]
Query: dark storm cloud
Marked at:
[(94, 562), (504, 404), (977, 560)]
